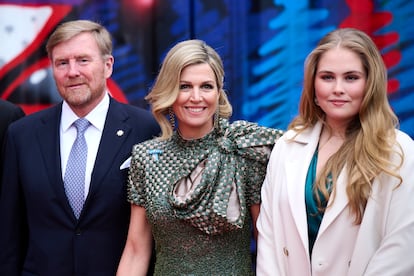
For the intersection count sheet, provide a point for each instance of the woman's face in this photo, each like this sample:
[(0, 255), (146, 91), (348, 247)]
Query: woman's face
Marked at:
[(339, 85), (197, 101)]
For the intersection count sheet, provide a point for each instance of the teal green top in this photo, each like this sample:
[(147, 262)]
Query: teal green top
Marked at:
[(194, 235), (314, 215)]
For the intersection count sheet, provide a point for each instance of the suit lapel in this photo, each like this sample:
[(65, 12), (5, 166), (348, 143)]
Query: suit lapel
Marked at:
[(114, 135), (48, 138)]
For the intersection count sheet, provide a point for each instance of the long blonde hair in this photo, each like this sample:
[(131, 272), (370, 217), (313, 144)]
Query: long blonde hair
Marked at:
[(166, 88), (370, 137)]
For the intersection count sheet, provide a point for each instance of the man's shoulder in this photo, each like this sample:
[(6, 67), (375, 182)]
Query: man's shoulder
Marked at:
[(139, 118), (37, 117), (6, 105), (130, 108), (9, 108), (138, 110)]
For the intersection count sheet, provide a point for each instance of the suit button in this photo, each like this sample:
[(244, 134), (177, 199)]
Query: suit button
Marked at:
[(285, 251), (78, 232)]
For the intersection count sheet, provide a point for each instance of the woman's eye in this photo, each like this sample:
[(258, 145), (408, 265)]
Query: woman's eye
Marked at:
[(207, 86), (327, 77), (184, 86), (352, 77)]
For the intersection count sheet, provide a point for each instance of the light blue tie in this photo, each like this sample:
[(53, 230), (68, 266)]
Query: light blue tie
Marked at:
[(75, 169)]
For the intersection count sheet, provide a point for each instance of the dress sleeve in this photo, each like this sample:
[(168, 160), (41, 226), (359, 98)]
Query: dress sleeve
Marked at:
[(136, 179), (255, 174)]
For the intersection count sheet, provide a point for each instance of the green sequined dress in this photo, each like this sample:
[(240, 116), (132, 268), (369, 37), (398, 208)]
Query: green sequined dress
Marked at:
[(197, 195)]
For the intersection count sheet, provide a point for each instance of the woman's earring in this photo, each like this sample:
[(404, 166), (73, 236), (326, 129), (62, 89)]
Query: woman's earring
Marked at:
[(172, 117), (316, 101), (216, 119)]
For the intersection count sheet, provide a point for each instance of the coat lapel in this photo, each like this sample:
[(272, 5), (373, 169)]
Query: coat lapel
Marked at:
[(295, 190), (297, 168), (341, 201)]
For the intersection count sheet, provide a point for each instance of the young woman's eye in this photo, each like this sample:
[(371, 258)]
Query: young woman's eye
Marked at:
[(352, 77), (327, 77)]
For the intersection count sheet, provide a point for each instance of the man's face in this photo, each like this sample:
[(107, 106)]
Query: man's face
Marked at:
[(80, 72)]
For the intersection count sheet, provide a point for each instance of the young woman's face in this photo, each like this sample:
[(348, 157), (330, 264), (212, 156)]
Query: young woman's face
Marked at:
[(339, 85), (197, 101)]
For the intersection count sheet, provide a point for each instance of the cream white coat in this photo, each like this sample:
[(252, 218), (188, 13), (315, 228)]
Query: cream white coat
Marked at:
[(382, 245)]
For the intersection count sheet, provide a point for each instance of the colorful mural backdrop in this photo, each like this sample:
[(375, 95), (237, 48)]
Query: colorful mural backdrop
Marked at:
[(263, 44)]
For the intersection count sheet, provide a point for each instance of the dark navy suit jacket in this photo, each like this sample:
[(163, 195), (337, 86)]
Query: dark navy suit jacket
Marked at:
[(39, 234), (8, 114)]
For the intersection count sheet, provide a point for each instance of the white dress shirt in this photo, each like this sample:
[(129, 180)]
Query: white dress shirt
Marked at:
[(93, 135)]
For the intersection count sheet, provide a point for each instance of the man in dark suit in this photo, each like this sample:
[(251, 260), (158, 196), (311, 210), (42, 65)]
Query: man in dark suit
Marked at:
[(41, 233), (8, 113)]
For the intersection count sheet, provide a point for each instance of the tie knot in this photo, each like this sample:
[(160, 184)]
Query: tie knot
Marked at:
[(81, 125)]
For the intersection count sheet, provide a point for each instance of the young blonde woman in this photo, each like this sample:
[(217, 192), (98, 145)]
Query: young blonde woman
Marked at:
[(338, 195)]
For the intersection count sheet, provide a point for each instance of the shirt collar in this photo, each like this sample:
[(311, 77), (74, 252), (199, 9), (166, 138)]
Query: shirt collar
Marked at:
[(96, 117)]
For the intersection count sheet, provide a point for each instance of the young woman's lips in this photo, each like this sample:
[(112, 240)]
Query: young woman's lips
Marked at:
[(338, 102)]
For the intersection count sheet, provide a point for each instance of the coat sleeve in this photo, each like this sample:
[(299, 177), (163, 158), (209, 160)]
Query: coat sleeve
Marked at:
[(267, 245), (393, 256)]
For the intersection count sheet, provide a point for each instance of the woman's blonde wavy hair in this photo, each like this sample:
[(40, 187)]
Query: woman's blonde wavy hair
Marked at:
[(166, 87), (368, 145)]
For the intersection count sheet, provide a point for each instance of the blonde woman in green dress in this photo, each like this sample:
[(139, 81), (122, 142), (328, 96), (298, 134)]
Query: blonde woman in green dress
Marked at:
[(195, 189)]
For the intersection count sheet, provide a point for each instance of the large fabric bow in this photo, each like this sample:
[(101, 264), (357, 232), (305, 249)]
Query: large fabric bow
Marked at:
[(236, 148)]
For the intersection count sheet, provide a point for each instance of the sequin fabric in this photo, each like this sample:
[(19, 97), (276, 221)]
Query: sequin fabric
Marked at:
[(194, 236)]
